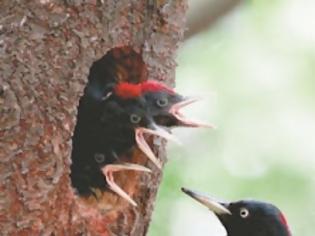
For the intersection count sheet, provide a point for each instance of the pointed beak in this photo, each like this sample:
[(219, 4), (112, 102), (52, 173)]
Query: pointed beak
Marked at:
[(108, 171), (219, 208), (143, 145), (129, 166), (175, 111), (161, 132)]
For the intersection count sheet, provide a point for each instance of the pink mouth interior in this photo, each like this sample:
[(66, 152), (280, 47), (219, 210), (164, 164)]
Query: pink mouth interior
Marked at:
[(175, 111), (108, 171), (145, 148)]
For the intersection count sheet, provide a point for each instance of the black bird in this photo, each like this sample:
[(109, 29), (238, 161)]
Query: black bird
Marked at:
[(246, 217), (107, 128), (165, 105), (127, 118), (112, 119)]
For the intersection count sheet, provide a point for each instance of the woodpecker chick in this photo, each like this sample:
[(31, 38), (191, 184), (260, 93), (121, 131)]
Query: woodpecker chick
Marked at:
[(165, 105), (108, 127), (126, 118), (112, 119), (245, 217), (131, 111)]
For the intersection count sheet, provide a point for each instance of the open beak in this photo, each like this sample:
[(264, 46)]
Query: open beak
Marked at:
[(143, 145), (108, 171), (219, 208), (175, 111)]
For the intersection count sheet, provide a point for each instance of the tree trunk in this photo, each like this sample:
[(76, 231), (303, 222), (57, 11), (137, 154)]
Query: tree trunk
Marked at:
[(47, 48)]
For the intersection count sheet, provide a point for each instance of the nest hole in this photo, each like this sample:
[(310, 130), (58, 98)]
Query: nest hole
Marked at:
[(119, 64)]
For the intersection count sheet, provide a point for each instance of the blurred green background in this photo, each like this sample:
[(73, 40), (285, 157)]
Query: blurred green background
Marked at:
[(255, 70)]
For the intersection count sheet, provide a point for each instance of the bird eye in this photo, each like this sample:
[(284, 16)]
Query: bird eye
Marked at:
[(135, 119), (244, 213), (99, 157), (163, 102)]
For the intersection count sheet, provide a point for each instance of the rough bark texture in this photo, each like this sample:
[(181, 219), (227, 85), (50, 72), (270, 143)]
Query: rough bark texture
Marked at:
[(46, 50)]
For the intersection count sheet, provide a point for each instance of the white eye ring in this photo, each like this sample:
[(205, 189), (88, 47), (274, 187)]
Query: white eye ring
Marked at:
[(135, 119), (163, 102), (244, 213), (99, 157)]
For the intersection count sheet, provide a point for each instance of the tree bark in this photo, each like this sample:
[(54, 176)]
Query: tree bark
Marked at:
[(47, 48)]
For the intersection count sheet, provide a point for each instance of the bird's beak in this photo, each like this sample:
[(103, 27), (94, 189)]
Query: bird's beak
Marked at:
[(143, 145), (219, 208), (108, 171), (175, 111)]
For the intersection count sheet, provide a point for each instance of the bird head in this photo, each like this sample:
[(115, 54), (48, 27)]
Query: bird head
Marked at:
[(245, 217), (126, 110), (165, 105)]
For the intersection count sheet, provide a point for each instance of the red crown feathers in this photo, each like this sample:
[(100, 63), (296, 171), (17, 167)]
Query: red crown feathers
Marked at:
[(127, 90), (154, 86), (284, 220)]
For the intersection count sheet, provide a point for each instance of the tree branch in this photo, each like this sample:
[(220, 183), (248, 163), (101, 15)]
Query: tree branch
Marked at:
[(203, 14)]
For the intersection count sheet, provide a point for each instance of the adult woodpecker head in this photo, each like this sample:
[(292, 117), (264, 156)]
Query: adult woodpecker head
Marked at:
[(245, 217), (165, 105)]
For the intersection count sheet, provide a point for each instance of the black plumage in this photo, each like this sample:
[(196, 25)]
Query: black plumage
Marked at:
[(113, 119), (105, 130), (246, 217)]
